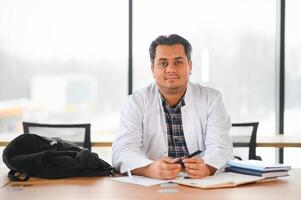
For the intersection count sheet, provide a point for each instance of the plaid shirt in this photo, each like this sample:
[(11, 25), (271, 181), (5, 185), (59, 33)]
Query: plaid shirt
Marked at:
[(176, 141)]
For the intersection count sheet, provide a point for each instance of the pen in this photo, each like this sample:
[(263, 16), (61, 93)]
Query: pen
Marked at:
[(193, 154), (180, 161)]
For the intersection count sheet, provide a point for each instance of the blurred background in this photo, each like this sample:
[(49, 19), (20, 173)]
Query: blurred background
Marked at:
[(67, 61)]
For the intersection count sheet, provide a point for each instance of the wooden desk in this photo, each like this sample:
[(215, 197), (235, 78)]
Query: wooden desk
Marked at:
[(262, 141), (104, 188), (96, 140), (271, 141)]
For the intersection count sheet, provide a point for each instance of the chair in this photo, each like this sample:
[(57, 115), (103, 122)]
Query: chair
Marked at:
[(244, 135), (76, 133)]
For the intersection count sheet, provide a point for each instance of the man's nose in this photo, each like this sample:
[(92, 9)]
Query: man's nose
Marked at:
[(170, 68)]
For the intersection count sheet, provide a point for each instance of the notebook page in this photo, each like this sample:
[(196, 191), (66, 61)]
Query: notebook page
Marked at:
[(221, 180)]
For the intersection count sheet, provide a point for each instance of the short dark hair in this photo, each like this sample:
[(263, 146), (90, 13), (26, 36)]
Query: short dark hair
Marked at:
[(169, 40)]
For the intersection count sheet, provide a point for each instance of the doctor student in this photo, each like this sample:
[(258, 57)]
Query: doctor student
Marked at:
[(171, 118)]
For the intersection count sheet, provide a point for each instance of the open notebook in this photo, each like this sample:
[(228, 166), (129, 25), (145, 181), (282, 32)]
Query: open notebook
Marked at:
[(219, 181), (228, 179)]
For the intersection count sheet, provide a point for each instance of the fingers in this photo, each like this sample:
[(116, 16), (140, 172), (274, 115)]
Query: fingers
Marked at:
[(196, 167), (169, 174), (198, 172), (168, 168), (170, 160), (193, 160), (169, 163), (198, 175), (165, 168)]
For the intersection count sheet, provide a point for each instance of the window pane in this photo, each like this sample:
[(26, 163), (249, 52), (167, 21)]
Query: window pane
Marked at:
[(63, 61), (234, 46), (292, 78)]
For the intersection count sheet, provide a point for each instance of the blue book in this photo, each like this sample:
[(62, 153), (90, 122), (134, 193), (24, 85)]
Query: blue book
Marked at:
[(270, 174), (258, 165)]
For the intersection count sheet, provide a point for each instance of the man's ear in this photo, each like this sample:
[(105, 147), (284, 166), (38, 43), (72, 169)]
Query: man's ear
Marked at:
[(190, 65), (152, 68)]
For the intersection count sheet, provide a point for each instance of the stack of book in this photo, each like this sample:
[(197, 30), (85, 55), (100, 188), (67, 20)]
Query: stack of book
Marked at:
[(258, 168)]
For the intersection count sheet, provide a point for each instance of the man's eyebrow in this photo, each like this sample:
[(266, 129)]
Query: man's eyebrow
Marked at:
[(162, 58), (180, 57), (176, 58)]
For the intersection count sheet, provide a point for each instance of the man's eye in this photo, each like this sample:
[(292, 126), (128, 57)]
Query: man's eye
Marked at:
[(163, 64), (179, 62)]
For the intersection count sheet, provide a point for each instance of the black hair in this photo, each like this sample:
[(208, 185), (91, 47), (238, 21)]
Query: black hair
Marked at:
[(169, 40)]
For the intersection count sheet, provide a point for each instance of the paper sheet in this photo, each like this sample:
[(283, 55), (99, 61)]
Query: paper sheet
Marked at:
[(140, 180)]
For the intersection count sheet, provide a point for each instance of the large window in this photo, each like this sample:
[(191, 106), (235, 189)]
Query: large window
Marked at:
[(63, 61), (234, 51), (292, 78), (66, 61)]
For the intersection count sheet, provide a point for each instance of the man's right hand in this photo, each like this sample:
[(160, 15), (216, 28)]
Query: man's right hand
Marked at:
[(165, 168)]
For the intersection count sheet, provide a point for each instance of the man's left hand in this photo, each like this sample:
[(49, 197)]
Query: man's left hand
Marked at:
[(197, 168)]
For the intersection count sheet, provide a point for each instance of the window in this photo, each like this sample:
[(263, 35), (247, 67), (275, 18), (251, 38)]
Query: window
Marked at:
[(234, 51), (63, 61), (292, 78), (66, 61)]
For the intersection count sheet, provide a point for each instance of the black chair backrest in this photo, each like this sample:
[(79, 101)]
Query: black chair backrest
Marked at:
[(251, 140), (76, 133)]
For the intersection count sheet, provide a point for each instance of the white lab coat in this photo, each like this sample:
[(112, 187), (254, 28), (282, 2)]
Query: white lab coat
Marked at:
[(142, 136)]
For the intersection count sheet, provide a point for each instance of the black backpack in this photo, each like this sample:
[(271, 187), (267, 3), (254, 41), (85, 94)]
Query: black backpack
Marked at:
[(32, 155)]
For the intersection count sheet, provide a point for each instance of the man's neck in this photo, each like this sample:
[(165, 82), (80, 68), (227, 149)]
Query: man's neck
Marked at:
[(173, 98)]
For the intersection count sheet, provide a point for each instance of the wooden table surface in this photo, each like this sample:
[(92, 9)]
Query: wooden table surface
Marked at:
[(104, 140), (273, 140), (262, 141), (287, 188)]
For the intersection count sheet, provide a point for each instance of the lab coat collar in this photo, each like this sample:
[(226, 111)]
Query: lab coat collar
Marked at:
[(187, 95)]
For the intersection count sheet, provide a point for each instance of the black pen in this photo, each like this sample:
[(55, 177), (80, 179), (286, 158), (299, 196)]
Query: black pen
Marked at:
[(180, 161)]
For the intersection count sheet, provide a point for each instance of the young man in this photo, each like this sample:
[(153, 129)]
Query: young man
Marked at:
[(172, 118)]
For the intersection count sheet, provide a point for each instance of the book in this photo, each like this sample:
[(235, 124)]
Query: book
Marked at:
[(258, 165), (223, 180), (269, 174)]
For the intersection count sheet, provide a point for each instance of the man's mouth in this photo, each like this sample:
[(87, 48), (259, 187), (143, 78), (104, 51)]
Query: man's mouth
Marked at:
[(171, 77)]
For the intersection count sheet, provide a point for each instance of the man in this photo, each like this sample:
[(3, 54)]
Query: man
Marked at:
[(172, 118)]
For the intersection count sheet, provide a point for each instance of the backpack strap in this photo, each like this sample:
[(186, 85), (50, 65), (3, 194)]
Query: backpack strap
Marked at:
[(14, 175)]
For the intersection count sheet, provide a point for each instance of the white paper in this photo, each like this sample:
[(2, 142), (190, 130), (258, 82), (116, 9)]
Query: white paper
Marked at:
[(207, 182), (140, 180)]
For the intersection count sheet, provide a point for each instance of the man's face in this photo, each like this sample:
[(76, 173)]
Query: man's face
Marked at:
[(171, 68)]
